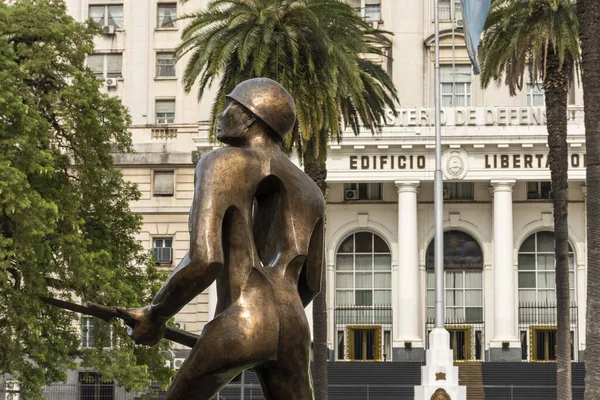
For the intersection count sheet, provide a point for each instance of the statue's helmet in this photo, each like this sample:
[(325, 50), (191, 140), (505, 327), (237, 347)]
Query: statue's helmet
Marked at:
[(269, 101)]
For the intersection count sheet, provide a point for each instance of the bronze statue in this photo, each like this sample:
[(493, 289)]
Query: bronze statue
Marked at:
[(256, 227)]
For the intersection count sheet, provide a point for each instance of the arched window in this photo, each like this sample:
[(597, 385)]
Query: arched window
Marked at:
[(537, 277), (363, 297), (363, 271), (463, 294), (537, 298), (463, 266)]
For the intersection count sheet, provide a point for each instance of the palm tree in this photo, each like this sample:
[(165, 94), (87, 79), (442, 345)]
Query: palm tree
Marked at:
[(541, 36), (312, 48), (589, 31)]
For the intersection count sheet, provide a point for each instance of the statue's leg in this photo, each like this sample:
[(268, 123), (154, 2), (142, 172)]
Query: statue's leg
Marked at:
[(228, 344), (280, 382)]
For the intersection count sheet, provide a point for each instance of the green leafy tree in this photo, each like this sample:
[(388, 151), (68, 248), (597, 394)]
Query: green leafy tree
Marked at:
[(66, 229), (589, 31), (540, 37), (313, 48)]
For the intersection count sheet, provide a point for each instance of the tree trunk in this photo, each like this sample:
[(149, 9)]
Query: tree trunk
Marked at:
[(589, 32), (318, 173), (556, 86)]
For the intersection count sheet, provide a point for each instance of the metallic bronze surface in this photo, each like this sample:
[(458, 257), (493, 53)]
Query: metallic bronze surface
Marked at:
[(109, 313), (269, 101), (256, 227)]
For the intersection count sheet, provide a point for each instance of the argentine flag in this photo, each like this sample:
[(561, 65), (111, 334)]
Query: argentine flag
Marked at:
[(474, 14)]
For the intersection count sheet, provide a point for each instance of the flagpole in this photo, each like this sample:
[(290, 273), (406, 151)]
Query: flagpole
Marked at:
[(438, 198)]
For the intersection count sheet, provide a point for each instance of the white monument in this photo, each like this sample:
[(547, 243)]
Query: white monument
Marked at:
[(439, 371)]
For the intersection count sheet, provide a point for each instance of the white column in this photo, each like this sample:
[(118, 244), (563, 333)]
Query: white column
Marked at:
[(406, 325), (505, 320), (331, 333)]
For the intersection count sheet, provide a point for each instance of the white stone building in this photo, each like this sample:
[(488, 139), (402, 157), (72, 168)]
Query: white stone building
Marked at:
[(497, 214)]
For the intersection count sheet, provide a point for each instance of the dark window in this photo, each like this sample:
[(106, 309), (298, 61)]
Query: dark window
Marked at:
[(459, 191), (460, 344), (163, 250), (544, 344), (92, 387), (524, 345), (539, 190), (341, 350), (364, 343), (363, 191), (461, 252)]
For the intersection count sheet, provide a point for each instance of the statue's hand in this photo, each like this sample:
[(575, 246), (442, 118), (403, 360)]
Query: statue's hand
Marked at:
[(143, 326)]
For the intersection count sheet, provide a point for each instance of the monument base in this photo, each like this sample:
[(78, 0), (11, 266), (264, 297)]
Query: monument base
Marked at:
[(505, 355), (414, 354), (439, 376)]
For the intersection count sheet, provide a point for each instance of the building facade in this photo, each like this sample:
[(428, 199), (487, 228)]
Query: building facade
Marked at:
[(499, 278)]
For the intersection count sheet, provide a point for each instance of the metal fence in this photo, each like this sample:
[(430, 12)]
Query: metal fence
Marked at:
[(363, 315), (543, 314), (526, 392), (537, 329), (252, 391)]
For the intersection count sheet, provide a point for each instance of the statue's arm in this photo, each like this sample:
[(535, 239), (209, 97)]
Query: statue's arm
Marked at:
[(201, 266), (309, 284)]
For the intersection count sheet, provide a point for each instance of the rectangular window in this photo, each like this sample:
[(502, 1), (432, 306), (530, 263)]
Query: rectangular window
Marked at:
[(341, 350), (87, 332), (106, 65), (164, 183), (387, 346), (165, 111), (92, 329), (460, 343), (373, 12), (167, 13), (539, 190), (463, 293), (458, 11), (524, 345), (455, 85), (103, 15), (92, 387), (364, 343), (12, 388), (363, 191), (459, 190), (450, 10), (544, 345), (165, 64), (444, 10), (535, 94), (163, 250)]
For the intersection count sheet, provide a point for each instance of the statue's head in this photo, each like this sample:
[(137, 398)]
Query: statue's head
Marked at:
[(260, 98)]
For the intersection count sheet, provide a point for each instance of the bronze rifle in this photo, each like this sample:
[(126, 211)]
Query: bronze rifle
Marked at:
[(109, 313)]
